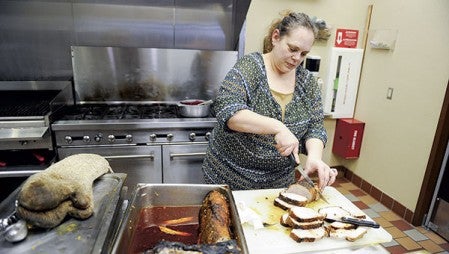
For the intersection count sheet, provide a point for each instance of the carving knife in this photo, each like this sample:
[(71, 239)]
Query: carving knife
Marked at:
[(355, 221), (306, 177)]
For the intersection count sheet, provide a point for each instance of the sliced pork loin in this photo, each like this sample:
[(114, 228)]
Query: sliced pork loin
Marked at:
[(341, 225), (307, 225), (287, 200), (336, 212), (302, 188), (289, 222), (282, 204), (308, 235), (284, 221), (293, 198), (305, 214), (297, 194), (348, 234), (355, 234), (304, 225), (358, 215)]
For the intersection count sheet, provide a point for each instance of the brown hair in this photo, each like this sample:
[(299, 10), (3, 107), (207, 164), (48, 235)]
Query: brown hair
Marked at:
[(289, 21)]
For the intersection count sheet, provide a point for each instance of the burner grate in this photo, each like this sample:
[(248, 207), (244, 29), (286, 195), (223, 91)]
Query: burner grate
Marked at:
[(114, 112), (160, 111)]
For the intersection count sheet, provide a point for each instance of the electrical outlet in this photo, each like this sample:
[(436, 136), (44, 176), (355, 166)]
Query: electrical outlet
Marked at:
[(390, 93)]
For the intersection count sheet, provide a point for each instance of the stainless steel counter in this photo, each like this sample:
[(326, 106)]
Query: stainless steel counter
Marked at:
[(74, 236)]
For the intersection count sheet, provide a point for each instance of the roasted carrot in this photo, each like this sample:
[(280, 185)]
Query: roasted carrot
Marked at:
[(173, 232), (177, 221)]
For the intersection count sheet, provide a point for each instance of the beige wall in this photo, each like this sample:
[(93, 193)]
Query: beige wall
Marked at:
[(399, 132)]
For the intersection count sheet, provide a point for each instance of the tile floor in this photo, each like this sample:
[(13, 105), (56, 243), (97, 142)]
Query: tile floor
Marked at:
[(406, 237)]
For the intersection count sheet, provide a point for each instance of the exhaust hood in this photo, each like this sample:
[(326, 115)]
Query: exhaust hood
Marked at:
[(37, 35)]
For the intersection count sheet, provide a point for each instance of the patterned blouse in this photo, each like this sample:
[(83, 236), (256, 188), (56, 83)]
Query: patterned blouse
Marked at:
[(250, 161)]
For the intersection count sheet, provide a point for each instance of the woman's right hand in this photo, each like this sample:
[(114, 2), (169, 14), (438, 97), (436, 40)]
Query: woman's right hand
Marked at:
[(286, 143)]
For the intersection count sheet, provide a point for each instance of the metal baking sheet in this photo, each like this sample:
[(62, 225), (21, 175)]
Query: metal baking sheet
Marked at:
[(276, 239), (73, 236)]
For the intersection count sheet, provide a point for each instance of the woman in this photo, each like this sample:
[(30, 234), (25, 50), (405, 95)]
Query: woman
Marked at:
[(268, 107)]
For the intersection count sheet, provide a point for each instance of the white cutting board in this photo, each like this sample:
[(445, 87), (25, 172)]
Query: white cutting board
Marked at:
[(276, 239)]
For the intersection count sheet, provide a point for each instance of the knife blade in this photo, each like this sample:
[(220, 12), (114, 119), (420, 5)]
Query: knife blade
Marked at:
[(305, 176), (355, 221), (301, 170)]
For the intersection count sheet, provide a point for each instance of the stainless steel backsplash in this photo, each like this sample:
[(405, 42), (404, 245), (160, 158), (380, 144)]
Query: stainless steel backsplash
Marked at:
[(119, 74)]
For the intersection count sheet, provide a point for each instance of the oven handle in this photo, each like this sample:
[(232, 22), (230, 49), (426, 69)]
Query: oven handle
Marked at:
[(145, 156), (173, 155)]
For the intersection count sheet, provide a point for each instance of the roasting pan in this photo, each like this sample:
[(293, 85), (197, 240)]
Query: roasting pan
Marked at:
[(145, 195)]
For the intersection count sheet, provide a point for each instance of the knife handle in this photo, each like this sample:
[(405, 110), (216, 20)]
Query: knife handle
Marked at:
[(292, 160), (359, 222)]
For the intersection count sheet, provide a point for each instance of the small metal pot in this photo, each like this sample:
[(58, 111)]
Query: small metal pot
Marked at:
[(194, 108)]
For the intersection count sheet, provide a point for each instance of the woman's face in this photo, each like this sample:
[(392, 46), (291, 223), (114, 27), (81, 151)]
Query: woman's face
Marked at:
[(290, 50)]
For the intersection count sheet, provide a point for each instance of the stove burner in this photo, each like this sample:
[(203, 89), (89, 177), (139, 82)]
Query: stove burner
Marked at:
[(160, 111), (113, 112)]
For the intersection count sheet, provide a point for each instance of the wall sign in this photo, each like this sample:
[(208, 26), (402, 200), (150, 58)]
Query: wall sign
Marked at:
[(346, 38)]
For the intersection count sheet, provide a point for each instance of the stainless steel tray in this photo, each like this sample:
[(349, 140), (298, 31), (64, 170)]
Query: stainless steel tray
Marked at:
[(145, 195), (74, 236)]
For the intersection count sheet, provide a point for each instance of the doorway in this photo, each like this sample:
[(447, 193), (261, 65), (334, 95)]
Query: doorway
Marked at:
[(437, 218), (434, 164)]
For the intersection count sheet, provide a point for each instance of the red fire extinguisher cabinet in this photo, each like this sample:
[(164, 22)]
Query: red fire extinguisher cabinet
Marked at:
[(348, 138)]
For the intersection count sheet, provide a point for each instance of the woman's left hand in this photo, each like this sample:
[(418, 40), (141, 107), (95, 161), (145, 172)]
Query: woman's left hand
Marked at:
[(326, 175)]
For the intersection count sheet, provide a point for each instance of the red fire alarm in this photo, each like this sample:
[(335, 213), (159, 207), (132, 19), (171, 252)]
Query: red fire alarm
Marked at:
[(348, 138)]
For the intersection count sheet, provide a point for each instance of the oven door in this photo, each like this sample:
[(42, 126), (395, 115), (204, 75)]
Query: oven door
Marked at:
[(182, 163), (142, 164)]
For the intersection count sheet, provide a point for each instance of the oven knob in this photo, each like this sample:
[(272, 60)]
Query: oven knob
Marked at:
[(153, 137), (207, 135), (98, 138), (129, 138), (86, 139), (169, 137), (192, 136), (111, 138), (68, 139)]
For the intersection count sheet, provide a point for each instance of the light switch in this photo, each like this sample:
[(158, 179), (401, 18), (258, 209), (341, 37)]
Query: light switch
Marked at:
[(390, 93)]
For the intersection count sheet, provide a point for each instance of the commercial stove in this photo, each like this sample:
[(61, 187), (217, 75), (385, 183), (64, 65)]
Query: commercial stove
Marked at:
[(126, 110), (149, 142)]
